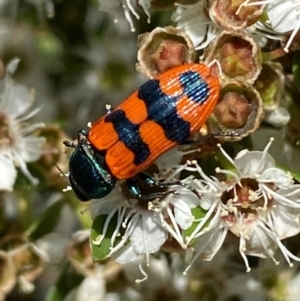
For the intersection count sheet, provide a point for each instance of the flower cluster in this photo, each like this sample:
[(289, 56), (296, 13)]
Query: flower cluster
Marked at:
[(188, 210), (256, 201)]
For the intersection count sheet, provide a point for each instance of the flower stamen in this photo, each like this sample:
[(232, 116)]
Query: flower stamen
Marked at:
[(144, 274)]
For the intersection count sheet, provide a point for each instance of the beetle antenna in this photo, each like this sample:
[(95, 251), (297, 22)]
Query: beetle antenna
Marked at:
[(62, 174)]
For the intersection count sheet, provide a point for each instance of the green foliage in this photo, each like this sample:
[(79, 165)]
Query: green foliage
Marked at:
[(45, 223), (100, 252), (198, 213), (67, 281), (296, 69)]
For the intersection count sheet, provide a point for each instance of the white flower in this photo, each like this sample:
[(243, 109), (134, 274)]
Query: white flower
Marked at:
[(7, 178), (128, 8), (28, 263), (194, 21), (53, 247), (278, 117), (145, 235), (17, 146), (284, 17), (145, 224), (92, 287), (259, 203)]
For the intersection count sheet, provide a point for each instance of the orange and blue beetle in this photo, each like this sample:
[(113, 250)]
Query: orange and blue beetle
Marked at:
[(161, 114)]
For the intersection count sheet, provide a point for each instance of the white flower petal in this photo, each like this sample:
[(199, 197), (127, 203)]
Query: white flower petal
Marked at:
[(125, 255), (8, 172), (148, 236), (183, 214), (278, 117), (169, 159), (259, 243), (282, 15), (30, 148), (12, 65), (253, 163), (209, 244), (193, 20), (107, 204), (16, 100), (285, 221), (54, 247), (92, 288), (277, 176), (207, 200)]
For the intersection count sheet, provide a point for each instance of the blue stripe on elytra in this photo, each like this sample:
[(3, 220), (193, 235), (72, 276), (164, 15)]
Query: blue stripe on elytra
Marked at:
[(161, 107), (194, 86), (128, 133)]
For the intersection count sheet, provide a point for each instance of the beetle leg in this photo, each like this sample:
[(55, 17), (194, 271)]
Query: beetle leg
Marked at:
[(135, 190), (151, 182)]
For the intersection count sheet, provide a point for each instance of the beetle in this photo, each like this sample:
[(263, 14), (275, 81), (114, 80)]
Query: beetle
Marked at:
[(161, 114)]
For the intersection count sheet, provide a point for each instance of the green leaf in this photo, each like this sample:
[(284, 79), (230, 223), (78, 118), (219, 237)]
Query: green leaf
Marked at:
[(226, 164), (296, 68), (198, 213), (209, 165), (100, 252), (232, 149), (67, 281), (295, 175), (45, 223)]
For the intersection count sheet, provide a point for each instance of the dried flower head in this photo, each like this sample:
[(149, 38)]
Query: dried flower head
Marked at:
[(238, 56), (163, 49), (239, 112)]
